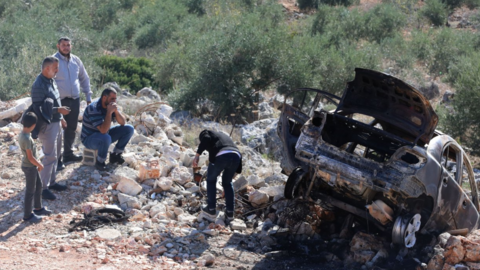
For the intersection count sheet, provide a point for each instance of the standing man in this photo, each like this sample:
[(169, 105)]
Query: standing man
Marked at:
[(70, 78), (97, 130), (223, 155), (46, 99)]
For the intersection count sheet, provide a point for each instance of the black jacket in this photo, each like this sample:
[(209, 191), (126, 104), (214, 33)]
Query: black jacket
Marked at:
[(214, 142), (44, 114)]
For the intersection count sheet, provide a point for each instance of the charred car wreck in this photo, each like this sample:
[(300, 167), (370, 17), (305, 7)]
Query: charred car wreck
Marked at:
[(375, 155)]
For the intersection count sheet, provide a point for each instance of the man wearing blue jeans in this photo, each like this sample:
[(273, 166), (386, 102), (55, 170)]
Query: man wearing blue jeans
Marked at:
[(97, 132), (225, 157)]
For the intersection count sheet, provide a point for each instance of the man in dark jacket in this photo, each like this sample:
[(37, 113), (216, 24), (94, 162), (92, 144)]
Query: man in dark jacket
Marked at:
[(45, 98), (225, 157)]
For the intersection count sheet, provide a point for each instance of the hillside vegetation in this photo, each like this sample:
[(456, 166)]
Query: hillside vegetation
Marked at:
[(226, 51)]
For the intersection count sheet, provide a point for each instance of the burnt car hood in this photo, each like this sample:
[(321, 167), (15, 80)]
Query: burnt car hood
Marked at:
[(390, 101)]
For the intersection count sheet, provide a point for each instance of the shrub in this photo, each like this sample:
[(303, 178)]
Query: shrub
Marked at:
[(306, 4), (383, 21), (232, 62), (435, 11), (464, 124), (132, 73)]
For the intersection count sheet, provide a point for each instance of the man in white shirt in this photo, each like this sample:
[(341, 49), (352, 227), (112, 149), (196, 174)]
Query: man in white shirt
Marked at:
[(71, 77)]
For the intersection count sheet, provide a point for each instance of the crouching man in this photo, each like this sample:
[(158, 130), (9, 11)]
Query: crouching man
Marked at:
[(97, 132)]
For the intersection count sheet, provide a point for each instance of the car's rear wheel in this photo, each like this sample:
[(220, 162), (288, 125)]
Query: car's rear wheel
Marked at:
[(295, 186)]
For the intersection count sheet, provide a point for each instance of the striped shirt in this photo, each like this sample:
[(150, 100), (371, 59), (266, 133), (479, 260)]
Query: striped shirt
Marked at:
[(93, 117)]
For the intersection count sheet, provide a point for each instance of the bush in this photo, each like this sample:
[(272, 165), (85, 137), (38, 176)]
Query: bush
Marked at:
[(315, 4), (435, 11), (464, 124), (307, 4), (232, 62), (383, 21), (132, 73)]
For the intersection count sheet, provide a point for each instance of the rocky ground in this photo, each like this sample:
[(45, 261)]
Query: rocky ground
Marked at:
[(164, 228)]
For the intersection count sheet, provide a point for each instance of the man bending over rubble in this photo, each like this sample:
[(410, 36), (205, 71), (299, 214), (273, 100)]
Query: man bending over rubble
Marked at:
[(97, 132), (223, 156)]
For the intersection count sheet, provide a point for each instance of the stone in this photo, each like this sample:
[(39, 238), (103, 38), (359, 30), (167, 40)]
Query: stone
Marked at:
[(254, 180), (157, 250), (303, 228), (363, 256), (436, 262), (473, 265), (240, 183), (258, 198), (193, 189), (210, 232), (364, 241), (148, 92), (238, 224), (129, 201), (181, 175), (443, 238), (165, 110), (186, 218), (129, 186), (138, 138), (120, 172), (454, 251), (108, 234), (472, 250), (164, 183), (175, 134), (159, 208), (208, 258), (178, 211)]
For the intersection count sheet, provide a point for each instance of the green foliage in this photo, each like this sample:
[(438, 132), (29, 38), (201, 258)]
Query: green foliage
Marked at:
[(435, 11), (195, 7), (472, 4), (314, 4), (306, 4), (132, 73), (421, 45), (398, 51), (342, 24), (383, 21), (463, 123)]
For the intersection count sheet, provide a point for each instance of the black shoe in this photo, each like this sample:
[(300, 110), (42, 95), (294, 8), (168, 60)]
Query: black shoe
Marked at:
[(48, 195), (33, 219), (116, 158), (209, 214), (42, 212), (57, 187), (60, 166), (72, 158), (100, 166), (229, 216)]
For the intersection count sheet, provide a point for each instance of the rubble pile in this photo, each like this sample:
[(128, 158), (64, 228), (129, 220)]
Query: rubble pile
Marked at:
[(165, 229)]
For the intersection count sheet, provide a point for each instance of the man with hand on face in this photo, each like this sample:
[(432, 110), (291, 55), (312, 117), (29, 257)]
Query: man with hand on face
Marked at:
[(70, 78), (97, 133), (46, 99)]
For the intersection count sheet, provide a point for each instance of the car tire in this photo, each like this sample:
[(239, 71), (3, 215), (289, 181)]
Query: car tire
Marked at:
[(293, 183)]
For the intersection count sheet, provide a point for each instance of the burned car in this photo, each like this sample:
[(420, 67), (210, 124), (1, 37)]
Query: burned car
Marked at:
[(375, 155)]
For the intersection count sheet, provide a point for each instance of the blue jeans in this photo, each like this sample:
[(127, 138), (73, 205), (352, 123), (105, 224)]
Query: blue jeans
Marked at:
[(101, 142), (228, 163)]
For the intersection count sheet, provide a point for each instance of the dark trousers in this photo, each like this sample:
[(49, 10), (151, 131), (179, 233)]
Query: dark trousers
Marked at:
[(72, 122), (228, 163), (33, 190)]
